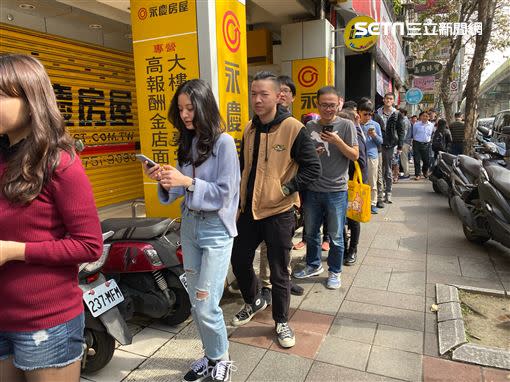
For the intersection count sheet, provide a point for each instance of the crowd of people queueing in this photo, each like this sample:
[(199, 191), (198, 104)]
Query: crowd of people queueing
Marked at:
[(231, 205)]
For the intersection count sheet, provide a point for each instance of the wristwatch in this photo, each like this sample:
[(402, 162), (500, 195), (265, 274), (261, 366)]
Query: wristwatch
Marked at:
[(285, 190), (191, 187)]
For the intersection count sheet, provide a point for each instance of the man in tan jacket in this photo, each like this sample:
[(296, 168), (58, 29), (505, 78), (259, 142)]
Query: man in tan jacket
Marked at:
[(278, 159)]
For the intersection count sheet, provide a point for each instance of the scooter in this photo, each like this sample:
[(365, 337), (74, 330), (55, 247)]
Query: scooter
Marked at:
[(440, 176), (103, 321), (466, 170), (441, 173), (145, 259), (464, 176), (486, 214)]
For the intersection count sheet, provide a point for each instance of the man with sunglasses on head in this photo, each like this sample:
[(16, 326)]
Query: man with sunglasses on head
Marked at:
[(336, 143), (373, 140)]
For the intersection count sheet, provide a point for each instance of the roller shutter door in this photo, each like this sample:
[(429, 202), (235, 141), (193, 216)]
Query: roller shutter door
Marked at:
[(95, 89)]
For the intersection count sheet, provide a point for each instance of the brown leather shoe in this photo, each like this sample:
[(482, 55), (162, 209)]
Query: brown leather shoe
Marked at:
[(299, 245)]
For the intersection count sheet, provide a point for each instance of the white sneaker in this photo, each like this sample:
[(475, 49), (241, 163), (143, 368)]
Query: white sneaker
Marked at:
[(223, 371), (334, 281), (285, 335)]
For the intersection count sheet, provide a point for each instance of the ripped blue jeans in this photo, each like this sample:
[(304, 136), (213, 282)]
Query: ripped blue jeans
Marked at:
[(207, 247)]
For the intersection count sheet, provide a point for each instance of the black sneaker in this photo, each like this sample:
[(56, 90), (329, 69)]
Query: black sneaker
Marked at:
[(223, 371), (351, 256), (249, 310), (200, 370), (380, 204), (266, 295), (296, 290), (285, 335)]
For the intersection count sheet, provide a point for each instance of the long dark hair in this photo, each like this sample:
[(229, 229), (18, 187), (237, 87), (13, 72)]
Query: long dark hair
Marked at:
[(442, 125), (207, 122), (34, 162)]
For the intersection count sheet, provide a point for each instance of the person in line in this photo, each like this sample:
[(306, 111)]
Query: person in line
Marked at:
[(302, 244), (49, 225), (433, 116), (349, 105), (207, 177), (287, 96), (336, 143), (278, 160), (441, 139), (373, 136), (380, 183), (393, 135), (422, 133), (406, 148), (457, 129), (351, 252)]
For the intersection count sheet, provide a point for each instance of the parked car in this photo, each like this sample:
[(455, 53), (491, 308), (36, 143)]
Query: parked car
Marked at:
[(485, 122), (501, 128)]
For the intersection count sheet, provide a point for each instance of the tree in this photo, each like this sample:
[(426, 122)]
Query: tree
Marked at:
[(466, 11), (486, 11), (495, 18), (427, 47)]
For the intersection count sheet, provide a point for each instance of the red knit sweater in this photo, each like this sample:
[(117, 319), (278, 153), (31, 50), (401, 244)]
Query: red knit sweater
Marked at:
[(61, 230)]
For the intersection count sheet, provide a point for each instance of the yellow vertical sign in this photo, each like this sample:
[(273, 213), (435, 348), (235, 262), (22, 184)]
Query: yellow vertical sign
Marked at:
[(310, 75), (232, 66), (165, 47)]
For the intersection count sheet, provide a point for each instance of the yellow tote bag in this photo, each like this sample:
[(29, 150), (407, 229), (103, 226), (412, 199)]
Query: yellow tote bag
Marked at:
[(358, 207)]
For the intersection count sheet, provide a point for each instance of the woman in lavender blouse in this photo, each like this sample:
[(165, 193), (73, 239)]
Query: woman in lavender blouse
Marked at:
[(207, 176)]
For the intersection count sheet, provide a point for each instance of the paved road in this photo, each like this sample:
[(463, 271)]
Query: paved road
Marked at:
[(377, 327)]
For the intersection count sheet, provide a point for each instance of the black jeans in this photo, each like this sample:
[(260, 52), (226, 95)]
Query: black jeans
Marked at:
[(421, 153), (355, 228), (277, 231)]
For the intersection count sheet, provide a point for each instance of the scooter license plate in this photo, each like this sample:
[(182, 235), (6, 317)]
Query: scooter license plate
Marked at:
[(103, 297), (184, 281)]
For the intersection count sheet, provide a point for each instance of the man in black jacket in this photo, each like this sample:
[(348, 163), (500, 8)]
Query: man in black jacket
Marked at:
[(393, 135), (278, 159)]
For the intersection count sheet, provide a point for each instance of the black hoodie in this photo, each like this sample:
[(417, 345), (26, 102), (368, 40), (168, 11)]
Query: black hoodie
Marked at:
[(302, 151)]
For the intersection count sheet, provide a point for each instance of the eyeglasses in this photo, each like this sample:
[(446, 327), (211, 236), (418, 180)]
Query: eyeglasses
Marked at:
[(326, 106), (287, 91)]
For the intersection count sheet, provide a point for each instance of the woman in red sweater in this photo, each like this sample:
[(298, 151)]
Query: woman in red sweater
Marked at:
[(48, 225)]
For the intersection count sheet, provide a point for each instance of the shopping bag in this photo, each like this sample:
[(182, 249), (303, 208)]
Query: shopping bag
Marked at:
[(358, 207)]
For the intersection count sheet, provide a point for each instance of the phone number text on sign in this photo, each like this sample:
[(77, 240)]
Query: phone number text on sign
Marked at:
[(107, 160)]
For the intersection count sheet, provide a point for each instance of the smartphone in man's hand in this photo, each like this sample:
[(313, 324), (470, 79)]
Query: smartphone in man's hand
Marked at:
[(327, 128)]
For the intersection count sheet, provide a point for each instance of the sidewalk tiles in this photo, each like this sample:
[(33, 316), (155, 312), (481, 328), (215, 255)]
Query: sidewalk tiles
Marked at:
[(377, 327)]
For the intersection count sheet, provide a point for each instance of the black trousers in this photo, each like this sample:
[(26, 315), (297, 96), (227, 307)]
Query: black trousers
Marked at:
[(421, 153), (277, 231), (355, 228)]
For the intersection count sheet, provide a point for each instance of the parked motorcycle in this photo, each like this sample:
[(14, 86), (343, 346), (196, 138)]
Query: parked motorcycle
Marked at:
[(145, 259), (440, 176), (103, 322), (485, 212), (484, 149)]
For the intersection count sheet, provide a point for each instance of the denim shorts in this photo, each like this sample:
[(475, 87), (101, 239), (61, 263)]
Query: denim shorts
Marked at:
[(58, 346)]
